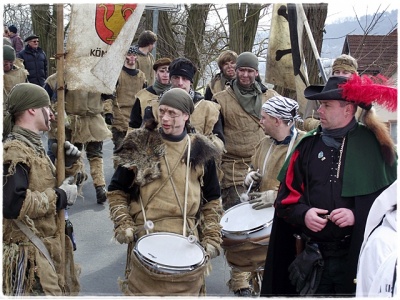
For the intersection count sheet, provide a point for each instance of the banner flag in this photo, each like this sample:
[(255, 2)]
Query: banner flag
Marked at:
[(285, 61), (97, 43), (279, 61)]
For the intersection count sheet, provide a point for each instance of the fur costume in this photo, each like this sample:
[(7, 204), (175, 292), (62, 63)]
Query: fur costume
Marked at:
[(157, 192), (39, 214)]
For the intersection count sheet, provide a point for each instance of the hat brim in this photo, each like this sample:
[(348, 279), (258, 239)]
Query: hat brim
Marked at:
[(315, 93), (330, 91), (31, 38)]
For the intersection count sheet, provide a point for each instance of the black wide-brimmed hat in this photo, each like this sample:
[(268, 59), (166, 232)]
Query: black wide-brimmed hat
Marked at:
[(360, 90), (329, 91)]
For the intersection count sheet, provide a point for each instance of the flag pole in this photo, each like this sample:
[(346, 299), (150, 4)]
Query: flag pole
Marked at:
[(312, 42), (60, 128)]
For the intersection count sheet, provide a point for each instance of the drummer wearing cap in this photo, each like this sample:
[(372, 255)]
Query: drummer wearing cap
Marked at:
[(35, 60), (157, 180), (327, 187)]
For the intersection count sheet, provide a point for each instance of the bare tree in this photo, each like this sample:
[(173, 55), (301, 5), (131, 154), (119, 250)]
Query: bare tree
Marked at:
[(243, 21), (44, 24), (317, 28), (196, 23)]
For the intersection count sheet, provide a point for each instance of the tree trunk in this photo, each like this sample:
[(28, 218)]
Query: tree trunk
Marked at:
[(166, 43), (44, 24), (317, 28), (243, 21), (196, 24)]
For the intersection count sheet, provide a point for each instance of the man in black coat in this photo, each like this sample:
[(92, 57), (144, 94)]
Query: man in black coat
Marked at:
[(35, 60)]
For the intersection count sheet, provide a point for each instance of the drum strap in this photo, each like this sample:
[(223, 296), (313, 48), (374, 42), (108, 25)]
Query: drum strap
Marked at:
[(144, 214), (170, 178), (36, 241), (186, 187)]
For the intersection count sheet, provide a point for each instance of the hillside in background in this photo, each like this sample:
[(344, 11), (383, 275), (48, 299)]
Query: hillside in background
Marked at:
[(336, 32)]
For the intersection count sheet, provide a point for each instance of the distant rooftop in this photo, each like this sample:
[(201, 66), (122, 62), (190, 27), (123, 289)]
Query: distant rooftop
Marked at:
[(375, 54)]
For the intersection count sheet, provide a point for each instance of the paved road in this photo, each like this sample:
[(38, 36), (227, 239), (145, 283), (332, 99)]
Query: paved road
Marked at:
[(102, 261)]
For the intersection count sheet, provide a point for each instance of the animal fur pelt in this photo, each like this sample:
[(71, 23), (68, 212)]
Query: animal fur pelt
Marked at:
[(142, 150), (202, 150), (388, 147)]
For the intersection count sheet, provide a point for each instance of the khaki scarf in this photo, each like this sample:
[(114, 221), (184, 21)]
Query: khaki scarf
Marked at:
[(159, 88), (249, 98), (29, 137)]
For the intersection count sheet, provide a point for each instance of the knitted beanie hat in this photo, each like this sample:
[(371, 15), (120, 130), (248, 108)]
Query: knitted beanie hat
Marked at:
[(23, 96), (345, 62), (8, 53), (179, 99), (247, 59), (182, 67)]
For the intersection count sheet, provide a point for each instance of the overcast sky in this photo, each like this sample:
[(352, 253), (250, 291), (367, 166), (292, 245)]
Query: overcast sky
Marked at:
[(344, 9)]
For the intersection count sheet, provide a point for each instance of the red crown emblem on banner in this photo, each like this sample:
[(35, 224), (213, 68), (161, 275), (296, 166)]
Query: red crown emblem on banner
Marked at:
[(110, 18)]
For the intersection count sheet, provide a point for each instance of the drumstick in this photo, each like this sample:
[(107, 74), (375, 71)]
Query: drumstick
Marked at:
[(148, 225), (244, 197)]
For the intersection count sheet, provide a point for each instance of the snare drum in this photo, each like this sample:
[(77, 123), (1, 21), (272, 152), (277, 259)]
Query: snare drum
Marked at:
[(245, 236), (165, 264), (242, 222), (169, 253)]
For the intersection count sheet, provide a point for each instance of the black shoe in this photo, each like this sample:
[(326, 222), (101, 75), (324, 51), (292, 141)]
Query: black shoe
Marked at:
[(101, 194), (246, 292)]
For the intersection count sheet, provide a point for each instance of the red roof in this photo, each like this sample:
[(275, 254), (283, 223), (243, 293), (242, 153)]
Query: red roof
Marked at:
[(375, 54)]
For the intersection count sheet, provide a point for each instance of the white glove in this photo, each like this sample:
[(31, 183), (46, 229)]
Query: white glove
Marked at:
[(263, 199), (72, 154), (252, 176), (70, 189), (212, 251)]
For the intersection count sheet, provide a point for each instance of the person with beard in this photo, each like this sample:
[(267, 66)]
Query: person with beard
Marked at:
[(328, 185), (145, 59), (166, 175), (241, 104), (227, 65), (117, 110), (150, 95)]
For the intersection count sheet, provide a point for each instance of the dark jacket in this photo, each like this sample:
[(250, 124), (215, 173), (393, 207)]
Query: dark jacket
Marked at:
[(35, 62), (361, 184)]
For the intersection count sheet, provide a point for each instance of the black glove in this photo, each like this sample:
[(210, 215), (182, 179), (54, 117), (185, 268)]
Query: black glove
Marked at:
[(61, 199), (306, 270), (72, 153), (109, 118)]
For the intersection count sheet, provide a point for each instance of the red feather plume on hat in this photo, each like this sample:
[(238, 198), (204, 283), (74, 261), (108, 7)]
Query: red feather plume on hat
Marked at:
[(368, 89)]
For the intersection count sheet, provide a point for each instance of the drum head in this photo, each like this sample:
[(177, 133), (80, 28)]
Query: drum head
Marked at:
[(243, 218), (170, 249)]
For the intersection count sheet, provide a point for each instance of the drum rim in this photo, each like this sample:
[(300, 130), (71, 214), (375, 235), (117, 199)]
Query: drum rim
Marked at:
[(160, 266), (255, 229)]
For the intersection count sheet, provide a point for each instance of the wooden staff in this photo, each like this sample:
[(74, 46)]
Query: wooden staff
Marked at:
[(304, 20), (60, 127)]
